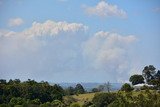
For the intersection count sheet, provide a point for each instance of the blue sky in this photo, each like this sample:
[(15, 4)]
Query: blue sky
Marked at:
[(78, 40)]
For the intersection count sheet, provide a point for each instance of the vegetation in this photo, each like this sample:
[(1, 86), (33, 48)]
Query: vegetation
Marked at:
[(126, 87), (105, 87), (77, 90), (136, 79), (30, 93), (103, 99), (149, 75)]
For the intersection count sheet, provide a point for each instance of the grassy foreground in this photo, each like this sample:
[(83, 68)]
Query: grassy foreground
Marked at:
[(81, 98)]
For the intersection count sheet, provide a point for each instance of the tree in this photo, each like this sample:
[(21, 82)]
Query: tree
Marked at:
[(149, 72), (16, 101), (157, 75), (103, 99), (57, 103), (30, 90), (107, 86), (70, 91), (95, 90), (136, 79), (101, 87), (3, 81), (35, 102), (126, 87), (75, 105), (79, 89)]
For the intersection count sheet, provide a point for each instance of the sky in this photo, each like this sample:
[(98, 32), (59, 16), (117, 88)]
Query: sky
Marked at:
[(78, 40)]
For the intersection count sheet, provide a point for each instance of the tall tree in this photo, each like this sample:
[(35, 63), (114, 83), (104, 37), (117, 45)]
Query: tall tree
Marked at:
[(3, 81), (126, 87), (157, 75), (148, 73), (107, 86), (70, 91), (136, 79), (79, 89)]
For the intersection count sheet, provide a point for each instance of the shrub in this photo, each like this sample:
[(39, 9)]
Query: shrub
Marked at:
[(75, 105), (126, 87), (87, 104), (16, 101), (35, 102), (57, 103), (103, 99), (68, 100)]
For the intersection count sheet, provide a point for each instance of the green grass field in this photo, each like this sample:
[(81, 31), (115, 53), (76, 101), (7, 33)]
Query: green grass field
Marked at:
[(81, 98)]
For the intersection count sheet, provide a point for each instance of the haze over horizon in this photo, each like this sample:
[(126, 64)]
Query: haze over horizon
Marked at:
[(78, 40)]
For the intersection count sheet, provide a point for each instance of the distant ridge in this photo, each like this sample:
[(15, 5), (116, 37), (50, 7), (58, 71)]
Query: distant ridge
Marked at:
[(89, 86)]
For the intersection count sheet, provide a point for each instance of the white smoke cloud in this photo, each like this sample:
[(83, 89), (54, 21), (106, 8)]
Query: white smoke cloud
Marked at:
[(48, 49), (109, 52), (41, 51)]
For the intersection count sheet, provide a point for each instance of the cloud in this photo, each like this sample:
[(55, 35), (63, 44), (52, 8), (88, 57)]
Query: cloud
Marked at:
[(41, 51), (104, 9), (53, 28), (15, 22), (48, 50), (109, 52), (6, 33), (48, 28)]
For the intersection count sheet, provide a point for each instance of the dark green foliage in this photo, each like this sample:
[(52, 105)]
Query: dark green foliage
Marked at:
[(3, 81), (95, 90), (70, 91), (101, 87), (36, 92), (79, 89), (157, 75), (87, 104), (143, 99), (16, 101), (75, 105), (35, 102), (126, 87), (103, 99), (57, 103), (149, 72), (16, 81), (152, 76), (136, 79)]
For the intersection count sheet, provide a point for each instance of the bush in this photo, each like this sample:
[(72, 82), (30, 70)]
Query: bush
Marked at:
[(16, 101), (87, 104), (95, 90), (103, 99), (75, 105), (4, 105), (35, 102), (57, 103), (126, 87), (47, 104), (68, 100)]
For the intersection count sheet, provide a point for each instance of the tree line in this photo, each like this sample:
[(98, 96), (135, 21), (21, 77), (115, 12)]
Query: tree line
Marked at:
[(30, 92)]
